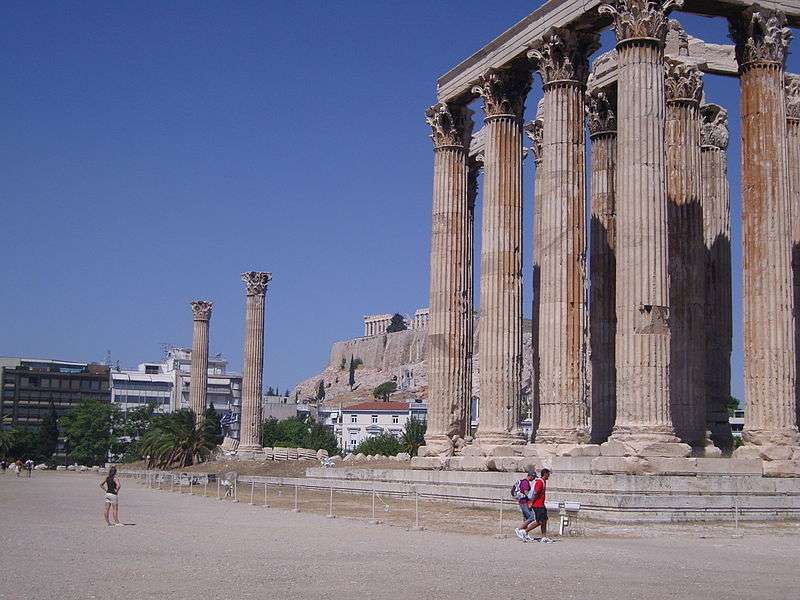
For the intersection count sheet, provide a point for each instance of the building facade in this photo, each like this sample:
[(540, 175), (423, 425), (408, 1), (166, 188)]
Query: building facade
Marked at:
[(366, 420)]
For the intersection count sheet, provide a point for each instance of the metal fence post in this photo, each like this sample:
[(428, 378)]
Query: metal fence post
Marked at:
[(500, 535), (252, 490), (330, 506), (296, 508), (236, 490), (266, 505)]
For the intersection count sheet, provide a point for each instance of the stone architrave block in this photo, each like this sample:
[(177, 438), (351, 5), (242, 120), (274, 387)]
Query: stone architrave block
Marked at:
[(781, 468), (428, 463), (467, 463)]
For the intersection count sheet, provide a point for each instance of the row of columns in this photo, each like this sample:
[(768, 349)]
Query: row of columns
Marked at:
[(660, 322), (256, 283)]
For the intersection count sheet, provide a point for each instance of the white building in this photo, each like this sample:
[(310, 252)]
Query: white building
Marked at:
[(167, 384), (737, 422), (370, 419)]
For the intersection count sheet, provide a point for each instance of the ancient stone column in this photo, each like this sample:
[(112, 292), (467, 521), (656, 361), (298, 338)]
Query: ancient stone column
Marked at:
[(256, 286), (475, 166), (500, 325), (449, 327), (562, 62), (601, 107), (201, 313), (762, 41), (714, 137), (642, 280), (687, 257), (535, 132), (793, 155)]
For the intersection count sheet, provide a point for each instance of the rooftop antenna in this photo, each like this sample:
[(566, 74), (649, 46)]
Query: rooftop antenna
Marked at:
[(108, 358)]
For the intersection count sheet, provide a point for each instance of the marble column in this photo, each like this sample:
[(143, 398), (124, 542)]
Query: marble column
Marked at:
[(500, 325), (535, 132), (201, 314), (561, 60), (793, 156), (762, 41), (449, 328), (475, 166), (601, 107), (256, 286), (643, 422), (684, 90), (715, 197)]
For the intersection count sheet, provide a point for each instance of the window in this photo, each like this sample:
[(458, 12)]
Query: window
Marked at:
[(395, 419), (354, 418), (374, 418), (353, 441)]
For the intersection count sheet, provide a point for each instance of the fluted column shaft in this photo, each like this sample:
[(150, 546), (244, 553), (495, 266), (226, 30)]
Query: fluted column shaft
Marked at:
[(686, 254), (642, 279), (793, 159), (449, 328), (561, 252), (201, 312), (717, 236), (769, 343), (500, 324), (535, 131), (603, 319), (252, 375), (475, 167)]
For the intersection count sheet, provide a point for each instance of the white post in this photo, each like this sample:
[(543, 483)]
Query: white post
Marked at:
[(252, 490), (219, 497), (296, 508), (265, 495), (205, 487), (330, 506)]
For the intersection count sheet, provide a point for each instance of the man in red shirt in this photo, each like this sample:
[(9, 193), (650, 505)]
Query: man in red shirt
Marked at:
[(538, 505)]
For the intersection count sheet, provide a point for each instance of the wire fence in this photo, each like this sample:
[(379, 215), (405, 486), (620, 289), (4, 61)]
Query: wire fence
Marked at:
[(408, 508)]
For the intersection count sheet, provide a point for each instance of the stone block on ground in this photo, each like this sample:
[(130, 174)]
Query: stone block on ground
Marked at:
[(360, 456), (349, 458), (280, 453), (473, 450), (748, 451), (467, 463), (662, 449), (269, 454), (530, 450), (429, 463), (61, 468), (728, 466), (435, 450), (291, 453), (403, 456), (322, 453), (614, 448), (40, 467), (509, 450), (781, 468), (628, 465), (578, 450), (506, 464)]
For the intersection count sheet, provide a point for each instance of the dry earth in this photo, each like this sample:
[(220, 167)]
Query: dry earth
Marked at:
[(55, 545)]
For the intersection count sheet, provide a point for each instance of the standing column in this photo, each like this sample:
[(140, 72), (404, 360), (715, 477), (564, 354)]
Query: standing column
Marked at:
[(642, 289), (500, 326), (201, 313), (256, 286), (475, 166), (717, 234), (684, 90), (762, 41), (448, 329), (535, 132), (601, 106), (562, 63), (793, 147)]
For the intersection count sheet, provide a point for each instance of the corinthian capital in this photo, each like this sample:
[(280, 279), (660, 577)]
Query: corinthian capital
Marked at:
[(451, 125), (601, 115), (563, 55), (682, 82), (793, 96), (714, 126), (640, 19), (256, 282), (535, 132), (201, 310), (504, 91), (760, 35)]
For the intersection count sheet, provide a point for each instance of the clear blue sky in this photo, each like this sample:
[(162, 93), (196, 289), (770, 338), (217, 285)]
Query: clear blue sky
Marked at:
[(155, 150)]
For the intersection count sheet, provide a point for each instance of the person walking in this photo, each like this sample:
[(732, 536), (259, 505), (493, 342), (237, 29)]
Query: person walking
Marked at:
[(3, 466), (29, 467), (18, 465), (111, 485), (539, 507), (523, 492)]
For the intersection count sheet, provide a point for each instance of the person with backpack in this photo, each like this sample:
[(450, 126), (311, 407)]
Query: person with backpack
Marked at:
[(522, 492)]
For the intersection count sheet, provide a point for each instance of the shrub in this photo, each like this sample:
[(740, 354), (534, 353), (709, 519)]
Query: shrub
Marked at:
[(384, 390), (385, 444)]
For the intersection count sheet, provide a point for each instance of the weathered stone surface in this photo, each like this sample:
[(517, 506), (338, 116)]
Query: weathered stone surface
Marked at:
[(514, 450), (428, 463), (349, 458), (781, 468), (629, 465), (201, 315), (615, 448), (467, 463), (728, 466), (509, 464), (322, 453), (255, 287), (403, 456)]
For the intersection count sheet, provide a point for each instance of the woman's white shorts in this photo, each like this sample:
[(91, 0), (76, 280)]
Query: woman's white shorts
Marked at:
[(111, 498)]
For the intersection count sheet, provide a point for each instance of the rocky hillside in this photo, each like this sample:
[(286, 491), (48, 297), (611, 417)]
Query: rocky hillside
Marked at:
[(398, 357)]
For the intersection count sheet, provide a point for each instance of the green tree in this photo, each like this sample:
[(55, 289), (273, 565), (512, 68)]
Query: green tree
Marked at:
[(321, 391), (173, 440), (733, 404), (296, 432), (398, 323), (413, 435), (48, 434), (270, 391), (320, 437), (129, 428), (88, 429), (385, 444), (212, 422), (20, 443), (351, 379), (384, 390)]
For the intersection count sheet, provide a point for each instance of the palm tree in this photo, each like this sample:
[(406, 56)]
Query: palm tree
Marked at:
[(413, 435), (173, 440)]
